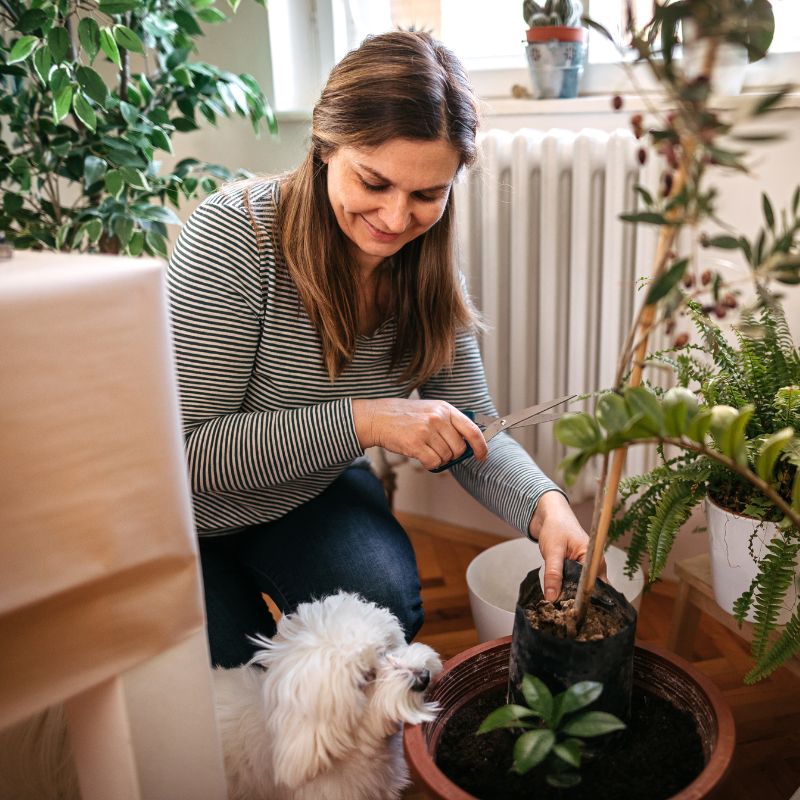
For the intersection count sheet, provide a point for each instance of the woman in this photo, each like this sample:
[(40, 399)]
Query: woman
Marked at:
[(306, 309)]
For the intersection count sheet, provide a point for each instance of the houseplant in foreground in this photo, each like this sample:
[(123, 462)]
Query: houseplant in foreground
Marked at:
[(754, 570), (692, 137), (89, 92), (556, 46)]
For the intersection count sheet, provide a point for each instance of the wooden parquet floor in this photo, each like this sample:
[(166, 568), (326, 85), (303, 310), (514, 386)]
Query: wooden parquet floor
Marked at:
[(767, 759)]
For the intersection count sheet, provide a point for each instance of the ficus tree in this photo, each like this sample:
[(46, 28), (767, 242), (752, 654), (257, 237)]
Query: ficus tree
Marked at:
[(90, 94)]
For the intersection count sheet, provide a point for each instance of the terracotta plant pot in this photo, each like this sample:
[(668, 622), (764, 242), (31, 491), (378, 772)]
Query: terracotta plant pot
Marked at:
[(660, 672), (556, 56)]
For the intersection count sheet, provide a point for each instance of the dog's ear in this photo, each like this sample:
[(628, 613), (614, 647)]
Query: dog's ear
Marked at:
[(314, 701)]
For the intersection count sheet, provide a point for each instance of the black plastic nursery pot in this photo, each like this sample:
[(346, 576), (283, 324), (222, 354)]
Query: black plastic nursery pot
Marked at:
[(562, 661)]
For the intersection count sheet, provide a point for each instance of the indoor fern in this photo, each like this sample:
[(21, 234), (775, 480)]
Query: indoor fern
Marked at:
[(755, 368)]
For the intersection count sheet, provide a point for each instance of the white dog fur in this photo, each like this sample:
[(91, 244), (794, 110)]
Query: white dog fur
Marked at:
[(316, 715)]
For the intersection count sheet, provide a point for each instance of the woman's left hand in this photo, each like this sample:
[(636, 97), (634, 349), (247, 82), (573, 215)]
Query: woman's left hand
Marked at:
[(560, 536)]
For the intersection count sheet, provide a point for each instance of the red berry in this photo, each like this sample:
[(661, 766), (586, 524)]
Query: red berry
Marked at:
[(681, 340), (641, 155), (616, 102), (705, 278)]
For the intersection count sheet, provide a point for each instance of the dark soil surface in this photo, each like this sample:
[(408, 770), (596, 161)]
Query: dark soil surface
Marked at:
[(658, 754)]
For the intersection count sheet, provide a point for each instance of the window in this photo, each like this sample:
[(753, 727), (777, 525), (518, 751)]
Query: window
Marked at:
[(308, 36)]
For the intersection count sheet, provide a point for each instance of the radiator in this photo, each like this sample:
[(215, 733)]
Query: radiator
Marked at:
[(553, 269)]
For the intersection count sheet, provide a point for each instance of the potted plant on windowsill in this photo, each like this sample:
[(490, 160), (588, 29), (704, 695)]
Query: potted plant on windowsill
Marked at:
[(692, 137), (556, 46), (748, 26)]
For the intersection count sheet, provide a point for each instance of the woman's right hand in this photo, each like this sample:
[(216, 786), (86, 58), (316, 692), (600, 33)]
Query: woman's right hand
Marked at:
[(432, 431)]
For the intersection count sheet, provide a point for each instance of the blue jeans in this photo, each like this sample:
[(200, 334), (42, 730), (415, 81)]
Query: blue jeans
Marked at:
[(346, 538)]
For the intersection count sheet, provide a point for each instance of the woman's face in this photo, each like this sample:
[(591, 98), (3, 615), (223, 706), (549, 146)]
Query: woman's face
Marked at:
[(383, 197)]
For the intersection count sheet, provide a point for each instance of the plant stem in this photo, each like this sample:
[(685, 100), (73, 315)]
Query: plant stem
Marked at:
[(644, 323)]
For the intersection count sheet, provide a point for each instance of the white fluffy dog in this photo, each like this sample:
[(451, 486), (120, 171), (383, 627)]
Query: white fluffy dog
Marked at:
[(322, 719)]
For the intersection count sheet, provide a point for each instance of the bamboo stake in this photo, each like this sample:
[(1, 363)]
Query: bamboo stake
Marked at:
[(644, 323)]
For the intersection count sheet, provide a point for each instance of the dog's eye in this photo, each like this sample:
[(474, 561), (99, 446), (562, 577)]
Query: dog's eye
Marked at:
[(369, 675)]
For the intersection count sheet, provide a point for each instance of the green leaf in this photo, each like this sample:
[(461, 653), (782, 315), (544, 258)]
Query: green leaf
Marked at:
[(134, 177), (94, 229), (89, 37), (123, 228), (234, 4), (92, 84), (611, 412), (724, 242), (769, 214), (31, 20), (22, 48), (155, 213), (136, 244), (42, 63), (62, 102), (211, 15), (538, 697), (114, 182), (94, 169), (126, 38), (129, 113), (593, 723), (59, 80), (84, 112), (109, 46), (509, 716), (580, 695), (578, 430), (118, 6), (641, 401), (58, 42), (680, 406), (569, 751), (699, 426), (769, 451), (187, 23), (796, 492), (157, 243), (531, 749), (666, 282), (563, 780), (729, 431), (183, 76), (572, 465), (647, 217), (146, 88), (160, 139)]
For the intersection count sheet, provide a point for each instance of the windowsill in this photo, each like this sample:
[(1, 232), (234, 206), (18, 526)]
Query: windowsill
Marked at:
[(601, 104)]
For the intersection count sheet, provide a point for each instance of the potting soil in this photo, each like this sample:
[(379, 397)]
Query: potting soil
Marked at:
[(658, 754)]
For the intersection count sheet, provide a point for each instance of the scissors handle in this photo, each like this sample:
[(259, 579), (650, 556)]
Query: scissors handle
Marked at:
[(468, 453)]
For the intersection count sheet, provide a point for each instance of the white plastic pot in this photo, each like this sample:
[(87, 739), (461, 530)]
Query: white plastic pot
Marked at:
[(734, 543), (494, 576)]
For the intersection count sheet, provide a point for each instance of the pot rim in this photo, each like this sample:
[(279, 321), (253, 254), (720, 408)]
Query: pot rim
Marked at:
[(736, 514), (559, 33), (703, 785)]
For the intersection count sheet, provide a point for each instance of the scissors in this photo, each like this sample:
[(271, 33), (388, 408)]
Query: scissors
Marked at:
[(491, 426)]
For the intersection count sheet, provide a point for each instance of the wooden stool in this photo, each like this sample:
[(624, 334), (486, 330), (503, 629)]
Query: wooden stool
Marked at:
[(695, 595)]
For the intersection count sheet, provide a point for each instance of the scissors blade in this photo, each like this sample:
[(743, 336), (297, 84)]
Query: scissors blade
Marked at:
[(524, 416)]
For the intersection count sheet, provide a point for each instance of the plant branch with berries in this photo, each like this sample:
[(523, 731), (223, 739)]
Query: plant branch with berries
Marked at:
[(693, 138)]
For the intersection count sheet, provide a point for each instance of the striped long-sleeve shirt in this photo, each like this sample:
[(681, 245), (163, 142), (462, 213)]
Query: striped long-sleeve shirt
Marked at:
[(266, 429)]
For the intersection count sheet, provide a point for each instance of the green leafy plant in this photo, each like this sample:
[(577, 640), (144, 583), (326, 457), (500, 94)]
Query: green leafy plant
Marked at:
[(89, 92), (726, 434), (750, 23), (566, 13), (554, 728)]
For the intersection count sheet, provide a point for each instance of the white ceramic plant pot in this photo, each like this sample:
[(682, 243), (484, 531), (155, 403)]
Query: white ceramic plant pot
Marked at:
[(494, 576), (736, 543)]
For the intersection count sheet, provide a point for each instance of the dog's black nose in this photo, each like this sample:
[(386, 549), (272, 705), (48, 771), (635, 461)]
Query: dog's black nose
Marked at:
[(421, 681)]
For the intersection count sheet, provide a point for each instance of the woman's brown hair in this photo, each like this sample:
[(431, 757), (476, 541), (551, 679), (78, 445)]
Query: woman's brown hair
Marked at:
[(396, 85)]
